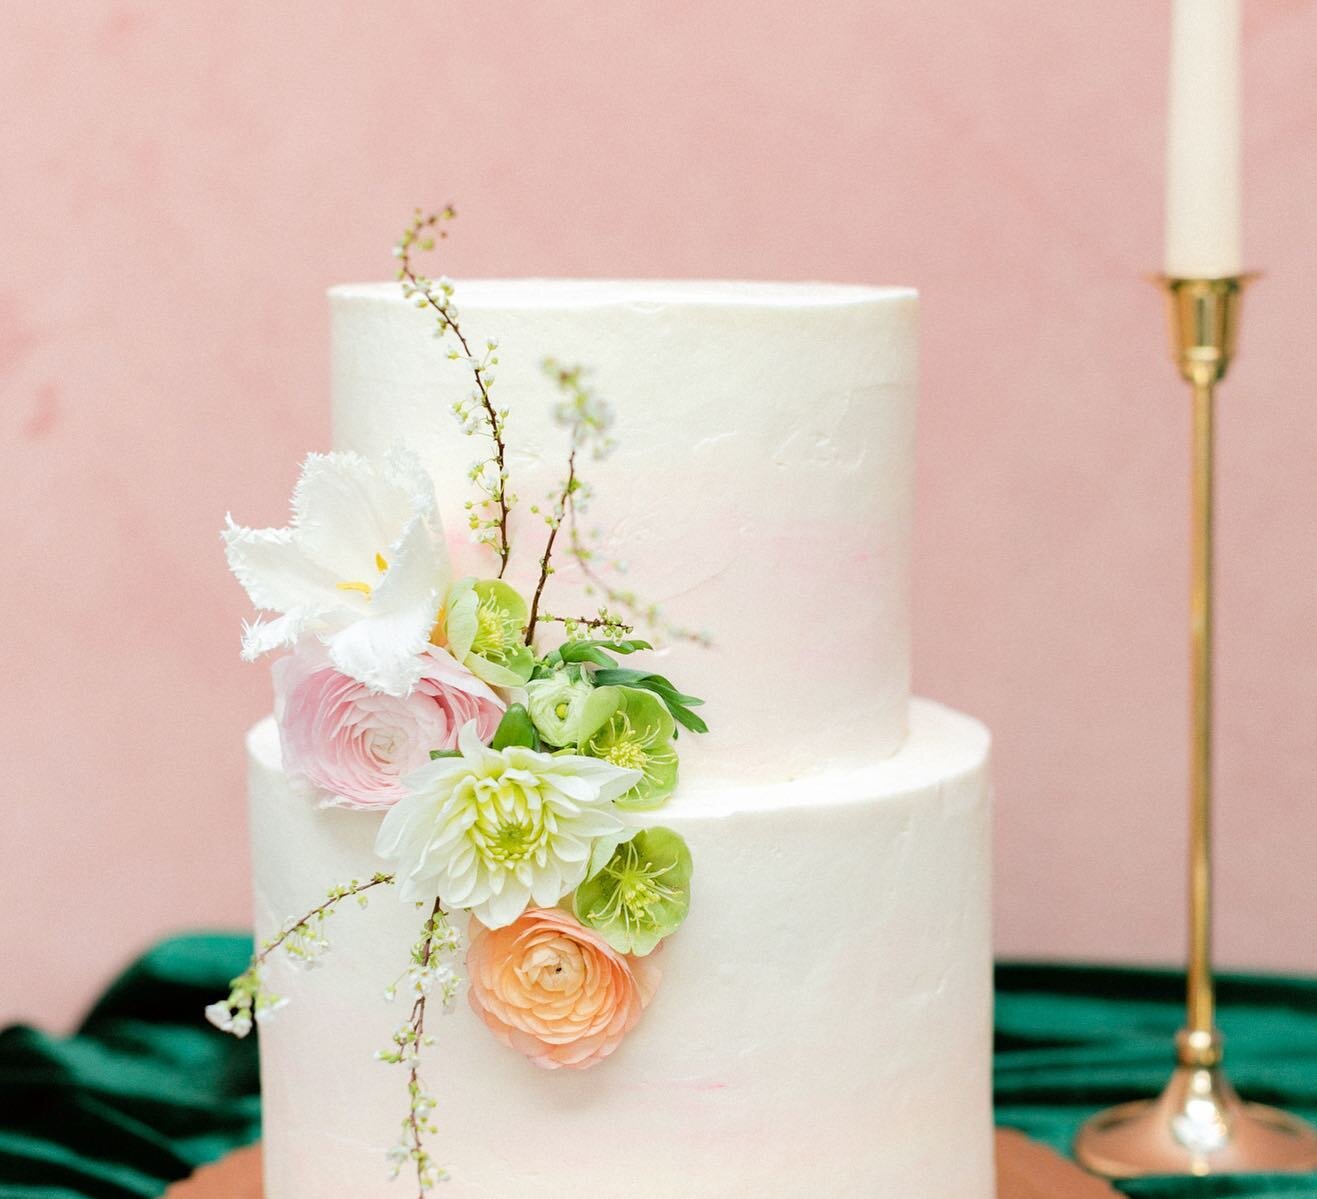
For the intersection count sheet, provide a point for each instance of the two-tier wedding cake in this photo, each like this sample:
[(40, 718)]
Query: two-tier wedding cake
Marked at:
[(819, 1025)]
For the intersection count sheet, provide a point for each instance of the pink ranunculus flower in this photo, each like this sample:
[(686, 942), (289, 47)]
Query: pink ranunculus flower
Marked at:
[(354, 745), (555, 990)]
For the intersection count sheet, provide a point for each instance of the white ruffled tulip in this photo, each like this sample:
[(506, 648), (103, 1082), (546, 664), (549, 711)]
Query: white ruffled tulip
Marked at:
[(362, 564)]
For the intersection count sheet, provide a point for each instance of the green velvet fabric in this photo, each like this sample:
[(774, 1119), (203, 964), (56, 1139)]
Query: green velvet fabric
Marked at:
[(145, 1090), (1074, 1039)]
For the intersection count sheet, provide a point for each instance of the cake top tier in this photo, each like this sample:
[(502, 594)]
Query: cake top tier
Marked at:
[(589, 293), (759, 492)]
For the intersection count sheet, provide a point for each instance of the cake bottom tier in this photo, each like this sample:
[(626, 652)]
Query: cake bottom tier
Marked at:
[(822, 1029)]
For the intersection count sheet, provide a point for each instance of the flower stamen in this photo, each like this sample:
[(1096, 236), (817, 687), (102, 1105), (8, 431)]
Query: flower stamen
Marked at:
[(628, 754), (366, 589)]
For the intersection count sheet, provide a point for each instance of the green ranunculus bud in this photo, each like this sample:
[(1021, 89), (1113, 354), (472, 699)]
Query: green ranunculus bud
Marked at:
[(558, 706), (633, 729), (484, 626), (641, 894)]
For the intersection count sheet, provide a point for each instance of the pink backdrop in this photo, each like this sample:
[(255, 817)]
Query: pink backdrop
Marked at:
[(182, 181)]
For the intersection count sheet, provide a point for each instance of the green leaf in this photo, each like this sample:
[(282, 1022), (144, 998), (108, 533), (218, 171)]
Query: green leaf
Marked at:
[(516, 728), (435, 754), (547, 665), (592, 654), (678, 704), (589, 650)]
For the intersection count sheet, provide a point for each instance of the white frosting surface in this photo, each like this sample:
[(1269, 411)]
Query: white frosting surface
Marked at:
[(760, 492), (823, 1027)]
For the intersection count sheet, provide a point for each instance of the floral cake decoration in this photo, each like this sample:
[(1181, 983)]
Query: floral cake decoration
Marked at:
[(503, 750)]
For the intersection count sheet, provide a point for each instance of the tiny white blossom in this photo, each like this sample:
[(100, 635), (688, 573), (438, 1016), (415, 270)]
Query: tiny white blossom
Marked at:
[(267, 1006), (220, 1015)]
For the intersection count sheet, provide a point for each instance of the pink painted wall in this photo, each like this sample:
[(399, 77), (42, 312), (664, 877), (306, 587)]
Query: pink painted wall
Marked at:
[(181, 182)]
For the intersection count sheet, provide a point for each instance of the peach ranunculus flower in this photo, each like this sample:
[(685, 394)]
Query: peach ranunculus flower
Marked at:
[(555, 990), (353, 744)]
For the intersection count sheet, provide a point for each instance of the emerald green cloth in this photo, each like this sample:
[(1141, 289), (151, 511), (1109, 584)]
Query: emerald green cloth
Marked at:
[(1074, 1039), (145, 1090)]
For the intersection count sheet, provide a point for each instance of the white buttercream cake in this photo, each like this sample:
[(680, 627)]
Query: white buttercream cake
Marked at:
[(823, 1027)]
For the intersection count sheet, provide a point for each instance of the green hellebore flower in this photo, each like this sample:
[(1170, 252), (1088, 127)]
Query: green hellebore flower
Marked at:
[(641, 894), (485, 624), (558, 706), (633, 729)]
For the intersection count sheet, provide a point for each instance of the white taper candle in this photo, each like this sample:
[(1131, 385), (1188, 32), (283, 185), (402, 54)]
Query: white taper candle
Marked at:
[(1202, 167)]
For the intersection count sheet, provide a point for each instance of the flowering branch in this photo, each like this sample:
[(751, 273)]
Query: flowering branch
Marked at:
[(427, 971), (477, 413), (610, 625), (637, 609), (303, 940), (589, 419), (554, 521)]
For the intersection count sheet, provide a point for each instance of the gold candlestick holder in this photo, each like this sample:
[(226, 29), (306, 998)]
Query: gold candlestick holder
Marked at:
[(1198, 1125)]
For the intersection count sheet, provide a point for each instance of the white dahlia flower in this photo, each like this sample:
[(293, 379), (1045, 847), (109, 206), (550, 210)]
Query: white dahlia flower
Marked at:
[(496, 830)]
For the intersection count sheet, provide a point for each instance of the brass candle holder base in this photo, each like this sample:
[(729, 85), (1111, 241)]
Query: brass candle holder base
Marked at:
[(1198, 1125)]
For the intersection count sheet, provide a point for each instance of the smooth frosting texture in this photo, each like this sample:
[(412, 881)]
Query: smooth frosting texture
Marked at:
[(760, 492), (822, 1028)]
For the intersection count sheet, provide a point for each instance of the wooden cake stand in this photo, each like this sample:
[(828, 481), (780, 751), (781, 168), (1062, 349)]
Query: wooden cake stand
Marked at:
[(1025, 1170)]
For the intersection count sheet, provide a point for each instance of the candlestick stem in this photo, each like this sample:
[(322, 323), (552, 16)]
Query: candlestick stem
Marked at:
[(1201, 991), (1198, 1125)]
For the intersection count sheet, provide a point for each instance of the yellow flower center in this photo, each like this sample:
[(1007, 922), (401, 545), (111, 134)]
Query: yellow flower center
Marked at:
[(491, 630), (561, 709), (628, 754), (511, 840), (510, 825), (637, 895)]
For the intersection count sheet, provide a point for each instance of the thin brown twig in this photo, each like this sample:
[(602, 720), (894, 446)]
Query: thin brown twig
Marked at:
[(289, 929), (500, 449), (586, 622), (559, 511), (581, 553), (417, 1021)]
